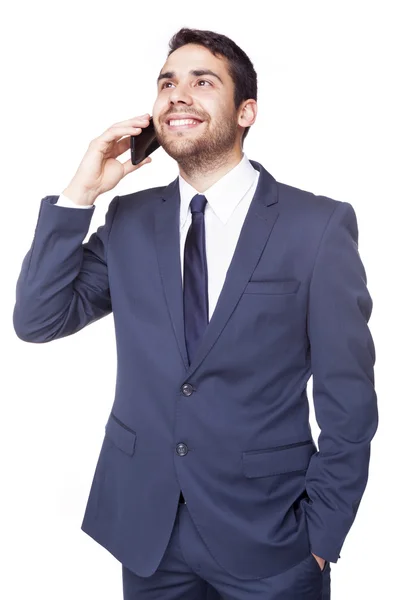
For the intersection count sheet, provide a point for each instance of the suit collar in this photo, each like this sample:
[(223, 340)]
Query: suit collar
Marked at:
[(266, 191), (224, 195)]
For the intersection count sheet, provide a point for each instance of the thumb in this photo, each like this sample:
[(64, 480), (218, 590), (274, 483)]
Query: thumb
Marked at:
[(129, 167)]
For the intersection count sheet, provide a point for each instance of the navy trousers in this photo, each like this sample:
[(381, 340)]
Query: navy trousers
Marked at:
[(189, 572)]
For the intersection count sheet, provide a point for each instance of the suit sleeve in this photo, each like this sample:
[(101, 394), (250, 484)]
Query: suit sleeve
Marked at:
[(342, 360), (63, 284)]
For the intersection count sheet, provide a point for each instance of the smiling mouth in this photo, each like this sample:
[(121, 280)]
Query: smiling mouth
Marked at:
[(179, 124)]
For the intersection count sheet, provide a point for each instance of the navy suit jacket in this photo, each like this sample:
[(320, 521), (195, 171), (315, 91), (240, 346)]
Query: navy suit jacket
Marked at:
[(232, 430)]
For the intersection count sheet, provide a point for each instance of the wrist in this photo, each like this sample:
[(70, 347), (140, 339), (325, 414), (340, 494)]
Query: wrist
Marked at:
[(79, 196)]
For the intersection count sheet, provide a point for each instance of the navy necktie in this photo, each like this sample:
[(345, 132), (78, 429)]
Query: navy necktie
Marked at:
[(195, 280)]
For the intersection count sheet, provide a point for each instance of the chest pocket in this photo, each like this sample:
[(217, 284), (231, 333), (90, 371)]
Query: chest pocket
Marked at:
[(276, 287), (271, 297)]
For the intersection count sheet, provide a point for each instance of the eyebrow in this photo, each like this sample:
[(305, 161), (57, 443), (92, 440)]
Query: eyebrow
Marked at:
[(195, 73)]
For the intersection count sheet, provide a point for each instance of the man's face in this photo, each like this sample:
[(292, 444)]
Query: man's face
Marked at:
[(194, 83)]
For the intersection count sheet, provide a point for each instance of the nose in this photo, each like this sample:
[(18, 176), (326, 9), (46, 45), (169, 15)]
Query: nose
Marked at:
[(180, 94)]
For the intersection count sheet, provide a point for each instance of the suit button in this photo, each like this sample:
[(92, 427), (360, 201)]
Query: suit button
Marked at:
[(181, 449), (187, 389)]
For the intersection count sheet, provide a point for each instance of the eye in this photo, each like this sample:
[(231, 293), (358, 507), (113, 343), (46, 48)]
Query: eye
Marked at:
[(163, 86)]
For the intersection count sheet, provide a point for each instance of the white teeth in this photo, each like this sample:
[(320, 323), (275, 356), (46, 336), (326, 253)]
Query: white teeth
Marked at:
[(177, 123)]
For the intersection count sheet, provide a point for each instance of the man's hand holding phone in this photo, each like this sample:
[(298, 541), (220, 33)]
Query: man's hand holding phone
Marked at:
[(99, 170)]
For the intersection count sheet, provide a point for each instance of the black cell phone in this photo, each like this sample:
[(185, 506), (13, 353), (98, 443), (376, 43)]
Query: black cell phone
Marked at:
[(143, 144)]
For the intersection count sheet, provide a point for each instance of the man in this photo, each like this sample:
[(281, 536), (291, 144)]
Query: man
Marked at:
[(228, 291)]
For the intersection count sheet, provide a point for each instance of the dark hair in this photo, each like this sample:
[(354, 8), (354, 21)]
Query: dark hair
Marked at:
[(240, 67)]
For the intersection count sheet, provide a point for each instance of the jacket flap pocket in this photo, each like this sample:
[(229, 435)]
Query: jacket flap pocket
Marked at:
[(272, 287), (275, 461), (123, 437)]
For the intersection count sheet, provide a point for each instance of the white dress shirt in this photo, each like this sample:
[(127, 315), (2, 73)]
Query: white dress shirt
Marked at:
[(228, 201)]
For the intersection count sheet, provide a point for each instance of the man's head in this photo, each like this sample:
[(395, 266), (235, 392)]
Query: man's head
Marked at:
[(206, 77)]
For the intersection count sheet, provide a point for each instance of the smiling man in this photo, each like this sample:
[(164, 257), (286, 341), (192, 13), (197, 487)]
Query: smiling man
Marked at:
[(195, 115), (229, 290)]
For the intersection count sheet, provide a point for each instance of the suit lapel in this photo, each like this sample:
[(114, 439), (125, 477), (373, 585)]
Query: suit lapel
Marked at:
[(257, 227), (258, 224), (168, 251)]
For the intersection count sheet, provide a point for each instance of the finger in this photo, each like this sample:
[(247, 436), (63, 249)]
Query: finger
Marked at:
[(129, 167), (114, 133), (121, 146), (127, 122)]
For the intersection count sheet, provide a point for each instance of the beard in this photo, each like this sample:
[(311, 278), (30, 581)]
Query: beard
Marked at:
[(204, 152)]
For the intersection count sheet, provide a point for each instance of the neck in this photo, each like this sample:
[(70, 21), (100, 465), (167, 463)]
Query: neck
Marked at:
[(204, 174)]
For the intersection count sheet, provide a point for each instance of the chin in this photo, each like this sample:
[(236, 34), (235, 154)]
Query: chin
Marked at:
[(181, 148)]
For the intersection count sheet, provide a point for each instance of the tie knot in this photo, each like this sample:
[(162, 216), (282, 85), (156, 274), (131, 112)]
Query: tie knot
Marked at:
[(198, 203)]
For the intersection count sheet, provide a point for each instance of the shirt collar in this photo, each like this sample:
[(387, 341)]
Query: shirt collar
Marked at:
[(224, 195)]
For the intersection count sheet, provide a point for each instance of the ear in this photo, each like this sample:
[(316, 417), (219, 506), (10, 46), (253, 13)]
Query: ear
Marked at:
[(248, 113)]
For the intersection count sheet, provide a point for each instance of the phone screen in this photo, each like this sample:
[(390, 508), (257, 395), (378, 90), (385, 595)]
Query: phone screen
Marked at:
[(143, 144)]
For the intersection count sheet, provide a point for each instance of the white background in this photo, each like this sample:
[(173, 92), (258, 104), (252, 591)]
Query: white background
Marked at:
[(327, 123)]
